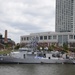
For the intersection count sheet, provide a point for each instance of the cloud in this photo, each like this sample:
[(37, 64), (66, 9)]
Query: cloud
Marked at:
[(22, 17)]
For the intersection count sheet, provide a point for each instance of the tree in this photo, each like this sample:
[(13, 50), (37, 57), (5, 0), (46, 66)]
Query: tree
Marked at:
[(17, 46), (65, 46), (49, 48), (52, 47)]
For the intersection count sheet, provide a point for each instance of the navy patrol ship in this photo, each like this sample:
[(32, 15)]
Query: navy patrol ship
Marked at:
[(32, 55)]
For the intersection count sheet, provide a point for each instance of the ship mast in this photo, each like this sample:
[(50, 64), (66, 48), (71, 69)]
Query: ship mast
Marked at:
[(34, 43)]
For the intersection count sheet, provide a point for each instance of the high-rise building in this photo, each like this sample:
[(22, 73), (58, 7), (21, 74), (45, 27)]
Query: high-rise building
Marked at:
[(65, 16)]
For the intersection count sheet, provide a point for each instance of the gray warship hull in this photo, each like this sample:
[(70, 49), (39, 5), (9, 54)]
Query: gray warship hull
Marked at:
[(12, 60)]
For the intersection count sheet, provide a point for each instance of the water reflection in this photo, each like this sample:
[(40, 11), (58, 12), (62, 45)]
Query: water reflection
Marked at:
[(37, 69)]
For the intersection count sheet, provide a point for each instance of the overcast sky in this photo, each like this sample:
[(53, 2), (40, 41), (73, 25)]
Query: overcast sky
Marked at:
[(22, 17)]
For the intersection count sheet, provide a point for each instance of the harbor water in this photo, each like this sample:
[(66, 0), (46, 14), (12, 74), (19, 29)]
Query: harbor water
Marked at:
[(37, 69)]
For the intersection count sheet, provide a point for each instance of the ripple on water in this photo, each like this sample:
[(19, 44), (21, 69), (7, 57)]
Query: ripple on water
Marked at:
[(37, 69)]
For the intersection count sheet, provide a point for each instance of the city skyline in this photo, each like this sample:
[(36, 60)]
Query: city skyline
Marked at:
[(22, 17)]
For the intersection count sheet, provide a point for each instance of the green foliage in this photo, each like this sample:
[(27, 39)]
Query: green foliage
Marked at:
[(38, 48), (17, 46), (6, 45), (65, 46), (5, 51), (52, 47), (49, 48), (42, 47)]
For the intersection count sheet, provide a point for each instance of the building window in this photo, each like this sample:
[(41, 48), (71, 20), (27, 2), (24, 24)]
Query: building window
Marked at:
[(27, 38), (22, 39), (54, 37), (74, 36), (49, 37), (41, 37), (70, 36), (45, 37), (0, 36)]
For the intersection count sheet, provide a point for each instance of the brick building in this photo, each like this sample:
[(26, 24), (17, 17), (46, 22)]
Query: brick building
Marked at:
[(5, 40)]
